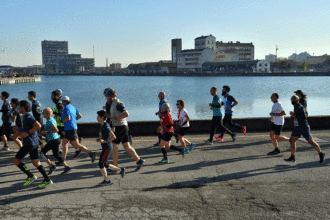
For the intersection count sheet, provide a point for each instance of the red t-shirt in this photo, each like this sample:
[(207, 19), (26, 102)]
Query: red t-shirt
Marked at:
[(166, 119)]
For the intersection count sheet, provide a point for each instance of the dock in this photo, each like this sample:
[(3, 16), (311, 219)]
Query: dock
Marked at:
[(19, 80)]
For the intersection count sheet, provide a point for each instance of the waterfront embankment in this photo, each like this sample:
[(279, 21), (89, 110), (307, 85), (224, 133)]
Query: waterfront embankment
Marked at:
[(147, 128), (19, 80), (194, 74)]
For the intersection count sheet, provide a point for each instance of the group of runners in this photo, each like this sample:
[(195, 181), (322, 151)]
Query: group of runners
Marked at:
[(61, 122)]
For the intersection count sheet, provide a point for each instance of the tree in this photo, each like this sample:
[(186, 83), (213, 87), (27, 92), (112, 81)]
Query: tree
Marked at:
[(303, 66)]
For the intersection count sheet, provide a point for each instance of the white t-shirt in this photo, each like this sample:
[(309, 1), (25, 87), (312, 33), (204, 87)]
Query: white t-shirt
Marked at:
[(183, 118), (277, 108)]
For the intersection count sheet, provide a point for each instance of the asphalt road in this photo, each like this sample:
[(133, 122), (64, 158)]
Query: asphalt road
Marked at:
[(227, 180)]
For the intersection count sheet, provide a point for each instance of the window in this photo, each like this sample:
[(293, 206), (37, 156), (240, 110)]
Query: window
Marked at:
[(260, 65), (266, 64)]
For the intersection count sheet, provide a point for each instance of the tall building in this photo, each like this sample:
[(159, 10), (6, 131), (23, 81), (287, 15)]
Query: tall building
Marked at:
[(115, 66), (270, 58), (204, 42), (56, 58), (245, 51), (176, 47)]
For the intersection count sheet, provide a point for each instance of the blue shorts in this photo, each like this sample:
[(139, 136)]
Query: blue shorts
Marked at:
[(305, 132)]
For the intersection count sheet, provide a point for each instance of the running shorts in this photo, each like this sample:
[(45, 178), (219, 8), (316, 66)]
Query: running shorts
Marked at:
[(276, 128), (71, 135), (298, 132), (121, 133), (28, 149), (5, 129), (104, 158), (167, 136), (183, 131)]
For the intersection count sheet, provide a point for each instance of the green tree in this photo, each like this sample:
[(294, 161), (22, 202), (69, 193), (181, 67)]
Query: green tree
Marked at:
[(303, 66)]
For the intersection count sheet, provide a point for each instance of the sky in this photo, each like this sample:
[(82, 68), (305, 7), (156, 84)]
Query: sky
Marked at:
[(138, 31)]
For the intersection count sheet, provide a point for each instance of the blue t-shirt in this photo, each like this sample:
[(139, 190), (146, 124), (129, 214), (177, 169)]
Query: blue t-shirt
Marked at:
[(27, 124), (15, 112), (48, 127), (216, 106), (5, 109), (104, 134), (162, 101), (228, 101), (36, 110), (73, 112)]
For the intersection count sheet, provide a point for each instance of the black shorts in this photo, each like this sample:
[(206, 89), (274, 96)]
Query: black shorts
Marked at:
[(121, 133), (60, 131), (5, 129), (276, 128), (104, 158), (71, 135), (32, 150), (183, 131), (167, 136)]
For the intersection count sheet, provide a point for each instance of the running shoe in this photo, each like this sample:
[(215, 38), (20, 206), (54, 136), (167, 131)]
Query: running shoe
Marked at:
[(244, 130), (78, 152), (274, 152), (186, 151), (163, 161), (5, 149), (122, 172), (105, 183), (182, 152), (291, 159), (66, 170), (52, 169), (57, 163), (218, 138), (139, 165), (208, 141), (322, 156), (234, 137), (112, 171), (93, 156), (191, 147), (30, 180), (45, 183)]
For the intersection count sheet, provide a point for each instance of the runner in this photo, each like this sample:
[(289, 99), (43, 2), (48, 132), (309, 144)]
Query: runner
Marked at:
[(118, 117), (107, 109), (162, 100), (229, 103), (30, 126), (105, 139), (277, 119), (15, 117), (53, 142), (184, 125), (301, 128), (6, 122), (56, 97), (36, 112), (167, 127), (217, 116), (302, 98), (70, 115)]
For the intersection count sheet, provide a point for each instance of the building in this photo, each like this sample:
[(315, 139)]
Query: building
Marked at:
[(176, 47), (226, 56), (192, 60), (204, 42), (270, 58), (161, 67), (253, 66), (299, 57), (245, 51), (56, 58), (115, 66)]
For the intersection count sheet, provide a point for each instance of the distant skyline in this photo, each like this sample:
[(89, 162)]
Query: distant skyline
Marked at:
[(141, 30)]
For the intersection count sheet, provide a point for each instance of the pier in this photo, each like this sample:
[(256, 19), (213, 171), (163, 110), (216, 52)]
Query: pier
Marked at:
[(19, 80)]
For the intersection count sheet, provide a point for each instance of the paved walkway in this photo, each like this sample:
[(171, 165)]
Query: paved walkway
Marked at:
[(222, 181)]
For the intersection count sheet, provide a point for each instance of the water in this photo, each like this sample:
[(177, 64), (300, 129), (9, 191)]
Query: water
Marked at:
[(140, 94)]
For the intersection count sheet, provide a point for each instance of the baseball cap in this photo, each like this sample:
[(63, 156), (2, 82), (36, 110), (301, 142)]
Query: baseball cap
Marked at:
[(66, 98), (110, 94), (106, 90)]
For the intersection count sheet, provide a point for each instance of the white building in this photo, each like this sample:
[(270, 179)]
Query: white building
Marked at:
[(204, 42), (192, 60), (270, 58), (299, 57), (226, 56), (252, 66), (245, 51)]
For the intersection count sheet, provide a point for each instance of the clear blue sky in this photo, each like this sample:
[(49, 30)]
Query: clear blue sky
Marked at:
[(141, 30)]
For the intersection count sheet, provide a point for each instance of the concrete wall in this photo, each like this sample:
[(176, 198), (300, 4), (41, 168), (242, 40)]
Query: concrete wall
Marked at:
[(18, 80), (144, 128)]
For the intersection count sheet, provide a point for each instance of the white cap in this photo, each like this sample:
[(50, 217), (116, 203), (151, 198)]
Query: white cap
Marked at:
[(66, 98)]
